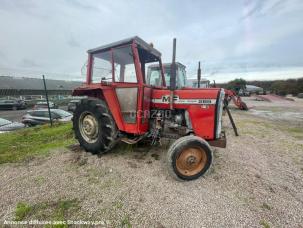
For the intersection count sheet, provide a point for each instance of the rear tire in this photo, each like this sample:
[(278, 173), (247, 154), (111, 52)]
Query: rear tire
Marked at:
[(94, 126), (189, 158)]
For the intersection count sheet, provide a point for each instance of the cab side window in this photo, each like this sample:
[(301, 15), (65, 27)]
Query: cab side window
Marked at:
[(124, 66), (101, 67)]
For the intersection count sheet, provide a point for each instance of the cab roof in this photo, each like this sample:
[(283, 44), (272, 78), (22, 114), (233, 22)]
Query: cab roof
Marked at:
[(141, 43)]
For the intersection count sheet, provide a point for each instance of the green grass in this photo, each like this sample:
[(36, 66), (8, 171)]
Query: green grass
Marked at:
[(22, 211), (53, 211), (264, 224), (266, 126), (118, 204), (125, 222), (266, 206), (296, 132), (24, 144), (62, 208)]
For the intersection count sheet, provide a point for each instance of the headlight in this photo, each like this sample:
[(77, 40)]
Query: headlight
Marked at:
[(219, 113)]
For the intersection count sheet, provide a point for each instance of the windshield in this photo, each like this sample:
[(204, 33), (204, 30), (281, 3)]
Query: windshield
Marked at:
[(155, 79), (4, 122), (167, 75), (61, 113), (154, 76)]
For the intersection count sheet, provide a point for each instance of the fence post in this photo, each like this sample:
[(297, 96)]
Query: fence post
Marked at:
[(46, 95)]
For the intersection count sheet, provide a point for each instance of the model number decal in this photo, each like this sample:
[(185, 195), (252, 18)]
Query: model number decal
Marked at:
[(166, 99)]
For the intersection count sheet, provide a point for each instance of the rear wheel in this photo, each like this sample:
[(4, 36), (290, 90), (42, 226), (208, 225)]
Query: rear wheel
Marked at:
[(189, 158), (94, 126)]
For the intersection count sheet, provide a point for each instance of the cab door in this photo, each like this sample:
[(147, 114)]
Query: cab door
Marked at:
[(131, 65), (126, 86)]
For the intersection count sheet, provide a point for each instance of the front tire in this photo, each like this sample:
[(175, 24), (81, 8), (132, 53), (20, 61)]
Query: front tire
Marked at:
[(189, 158), (94, 126)]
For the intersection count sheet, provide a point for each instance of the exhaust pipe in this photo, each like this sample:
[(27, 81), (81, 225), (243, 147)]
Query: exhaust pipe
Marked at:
[(199, 75), (173, 75)]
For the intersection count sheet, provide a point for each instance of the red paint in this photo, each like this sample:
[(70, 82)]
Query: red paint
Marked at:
[(202, 118)]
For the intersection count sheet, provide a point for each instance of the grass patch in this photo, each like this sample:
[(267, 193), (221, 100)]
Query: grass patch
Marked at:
[(125, 222), (296, 132), (246, 123), (22, 211), (266, 206), (63, 207), (261, 127), (118, 204), (26, 143), (264, 224), (52, 211), (39, 180)]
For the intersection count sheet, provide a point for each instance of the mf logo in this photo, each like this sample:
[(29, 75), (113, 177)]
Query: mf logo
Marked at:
[(166, 98)]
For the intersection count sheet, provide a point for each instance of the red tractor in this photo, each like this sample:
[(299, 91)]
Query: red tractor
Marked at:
[(122, 105)]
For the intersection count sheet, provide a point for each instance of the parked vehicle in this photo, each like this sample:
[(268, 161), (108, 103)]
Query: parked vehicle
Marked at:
[(41, 116), (72, 105), (7, 126), (43, 105), (12, 104)]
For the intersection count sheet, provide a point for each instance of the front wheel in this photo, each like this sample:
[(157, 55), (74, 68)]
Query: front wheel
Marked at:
[(189, 158)]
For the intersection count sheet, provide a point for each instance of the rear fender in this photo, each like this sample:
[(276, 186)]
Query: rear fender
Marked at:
[(109, 96), (89, 92)]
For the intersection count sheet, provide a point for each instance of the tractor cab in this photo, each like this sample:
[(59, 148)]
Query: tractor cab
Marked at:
[(125, 61), (117, 72), (154, 79)]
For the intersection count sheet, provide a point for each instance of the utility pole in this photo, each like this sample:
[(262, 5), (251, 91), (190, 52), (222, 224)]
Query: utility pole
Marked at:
[(173, 75), (46, 95)]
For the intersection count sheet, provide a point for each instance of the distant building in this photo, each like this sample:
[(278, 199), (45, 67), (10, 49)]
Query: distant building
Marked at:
[(14, 86)]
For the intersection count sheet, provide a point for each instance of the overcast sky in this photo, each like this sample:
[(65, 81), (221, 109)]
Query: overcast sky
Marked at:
[(53, 36)]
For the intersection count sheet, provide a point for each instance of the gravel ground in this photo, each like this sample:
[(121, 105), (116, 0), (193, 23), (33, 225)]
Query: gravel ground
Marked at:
[(256, 181)]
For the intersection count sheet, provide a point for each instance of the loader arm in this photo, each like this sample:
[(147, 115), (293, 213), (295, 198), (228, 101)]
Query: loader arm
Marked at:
[(231, 95)]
